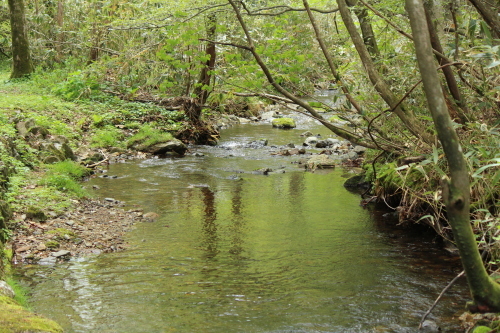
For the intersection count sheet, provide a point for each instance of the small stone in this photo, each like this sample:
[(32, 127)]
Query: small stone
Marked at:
[(22, 249), (151, 216), (41, 247), (70, 222), (60, 253), (109, 199)]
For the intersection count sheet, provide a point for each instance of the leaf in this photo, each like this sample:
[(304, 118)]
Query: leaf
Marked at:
[(481, 169), (493, 64), (435, 154)]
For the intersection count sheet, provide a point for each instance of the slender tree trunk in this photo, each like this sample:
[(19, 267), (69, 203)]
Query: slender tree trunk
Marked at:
[(408, 118), (21, 58), (456, 190), (60, 33), (448, 73), (202, 87), (366, 29)]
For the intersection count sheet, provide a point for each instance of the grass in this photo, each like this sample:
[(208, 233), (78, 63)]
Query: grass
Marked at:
[(107, 137), (148, 135)]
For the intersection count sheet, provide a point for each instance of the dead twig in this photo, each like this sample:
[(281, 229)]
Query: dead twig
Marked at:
[(462, 273)]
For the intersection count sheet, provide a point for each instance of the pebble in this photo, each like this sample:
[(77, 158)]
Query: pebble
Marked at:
[(41, 247), (60, 253)]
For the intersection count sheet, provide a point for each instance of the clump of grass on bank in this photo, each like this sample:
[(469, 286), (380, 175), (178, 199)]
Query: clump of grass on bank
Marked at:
[(107, 137), (20, 291), (64, 176), (147, 136)]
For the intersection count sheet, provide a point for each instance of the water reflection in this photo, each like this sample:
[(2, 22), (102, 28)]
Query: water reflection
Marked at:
[(209, 224)]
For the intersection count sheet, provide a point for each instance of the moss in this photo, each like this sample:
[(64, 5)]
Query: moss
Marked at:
[(482, 329), (52, 244), (148, 136), (284, 123), (14, 318), (35, 213), (62, 233)]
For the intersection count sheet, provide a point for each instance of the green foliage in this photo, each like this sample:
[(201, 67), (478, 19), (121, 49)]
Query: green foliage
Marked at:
[(78, 85), (64, 176), (69, 168), (22, 294), (106, 137), (52, 244), (148, 135), (61, 234)]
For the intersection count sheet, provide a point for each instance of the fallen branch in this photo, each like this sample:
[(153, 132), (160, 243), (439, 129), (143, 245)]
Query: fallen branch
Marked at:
[(462, 273)]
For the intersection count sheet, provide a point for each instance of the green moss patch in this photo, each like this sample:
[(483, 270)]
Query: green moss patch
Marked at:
[(284, 123), (14, 318)]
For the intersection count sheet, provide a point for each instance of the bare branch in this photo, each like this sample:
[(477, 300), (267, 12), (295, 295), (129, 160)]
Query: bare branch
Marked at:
[(282, 9)]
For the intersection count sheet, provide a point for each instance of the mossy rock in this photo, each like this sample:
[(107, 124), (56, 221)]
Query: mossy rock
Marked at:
[(35, 213), (14, 318), (482, 329), (284, 123), (355, 181)]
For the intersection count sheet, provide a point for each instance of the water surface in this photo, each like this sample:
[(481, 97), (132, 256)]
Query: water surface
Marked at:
[(235, 251)]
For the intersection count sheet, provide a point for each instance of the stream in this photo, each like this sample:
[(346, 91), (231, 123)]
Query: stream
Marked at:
[(235, 251)]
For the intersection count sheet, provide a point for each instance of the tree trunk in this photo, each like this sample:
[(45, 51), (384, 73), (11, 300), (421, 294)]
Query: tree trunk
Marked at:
[(456, 190), (489, 13), (408, 118), (337, 130), (60, 33), (21, 58), (202, 87), (366, 29)]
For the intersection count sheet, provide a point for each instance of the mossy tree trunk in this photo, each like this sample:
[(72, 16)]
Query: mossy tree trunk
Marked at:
[(21, 57), (456, 190)]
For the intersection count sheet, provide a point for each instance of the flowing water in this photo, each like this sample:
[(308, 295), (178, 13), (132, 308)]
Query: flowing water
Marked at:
[(235, 251)]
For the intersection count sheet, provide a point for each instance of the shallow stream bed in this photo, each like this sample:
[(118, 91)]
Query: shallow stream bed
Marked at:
[(234, 251)]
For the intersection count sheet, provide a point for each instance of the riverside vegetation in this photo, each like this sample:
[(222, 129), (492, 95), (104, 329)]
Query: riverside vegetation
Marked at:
[(180, 67)]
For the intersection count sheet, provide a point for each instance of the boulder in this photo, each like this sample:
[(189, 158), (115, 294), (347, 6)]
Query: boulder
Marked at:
[(244, 120), (163, 148), (269, 115), (311, 141), (360, 150), (307, 134), (322, 144), (319, 162), (284, 123), (332, 141), (6, 290), (349, 156)]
